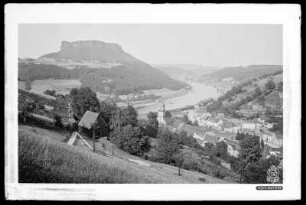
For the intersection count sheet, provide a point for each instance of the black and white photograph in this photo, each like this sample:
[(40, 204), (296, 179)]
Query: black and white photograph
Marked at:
[(156, 102)]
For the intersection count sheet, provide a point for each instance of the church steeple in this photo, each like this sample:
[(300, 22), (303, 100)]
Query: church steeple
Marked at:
[(161, 113)]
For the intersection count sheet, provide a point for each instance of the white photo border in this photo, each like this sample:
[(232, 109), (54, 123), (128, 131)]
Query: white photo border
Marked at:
[(286, 15)]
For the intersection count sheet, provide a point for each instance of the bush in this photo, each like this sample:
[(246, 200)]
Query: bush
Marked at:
[(191, 165), (214, 160), (202, 179), (270, 85), (131, 140), (58, 121), (168, 147), (218, 174)]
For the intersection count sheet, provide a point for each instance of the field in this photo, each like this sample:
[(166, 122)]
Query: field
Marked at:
[(45, 158), (60, 86)]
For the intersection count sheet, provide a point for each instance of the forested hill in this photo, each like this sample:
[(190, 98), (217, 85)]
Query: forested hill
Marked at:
[(100, 66), (241, 73)]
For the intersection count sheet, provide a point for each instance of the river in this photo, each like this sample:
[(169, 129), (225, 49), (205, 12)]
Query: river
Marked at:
[(197, 93)]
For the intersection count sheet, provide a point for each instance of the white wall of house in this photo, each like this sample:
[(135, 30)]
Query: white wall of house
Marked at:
[(191, 116), (198, 136), (249, 126), (231, 151), (232, 129)]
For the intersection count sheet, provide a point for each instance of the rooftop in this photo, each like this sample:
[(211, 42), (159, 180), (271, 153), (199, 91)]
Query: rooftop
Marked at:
[(229, 124), (192, 129), (213, 119), (211, 138), (89, 119)]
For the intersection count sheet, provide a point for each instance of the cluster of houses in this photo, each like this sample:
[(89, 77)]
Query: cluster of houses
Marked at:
[(213, 129)]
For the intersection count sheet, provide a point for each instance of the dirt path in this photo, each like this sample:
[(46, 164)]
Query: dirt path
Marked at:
[(140, 162)]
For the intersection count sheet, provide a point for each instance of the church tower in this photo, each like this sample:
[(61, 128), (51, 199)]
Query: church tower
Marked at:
[(161, 113)]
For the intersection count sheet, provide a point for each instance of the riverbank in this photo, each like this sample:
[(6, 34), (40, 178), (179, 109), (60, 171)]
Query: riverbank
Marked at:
[(165, 93), (198, 92)]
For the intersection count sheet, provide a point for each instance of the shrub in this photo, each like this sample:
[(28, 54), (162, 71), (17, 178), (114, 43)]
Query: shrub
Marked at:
[(214, 160), (58, 121), (218, 174), (270, 85), (168, 147), (202, 179), (131, 140)]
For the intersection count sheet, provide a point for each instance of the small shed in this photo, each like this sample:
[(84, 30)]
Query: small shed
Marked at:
[(93, 121), (78, 140)]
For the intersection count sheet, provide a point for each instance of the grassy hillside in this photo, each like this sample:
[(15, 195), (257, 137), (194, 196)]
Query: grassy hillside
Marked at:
[(44, 158)]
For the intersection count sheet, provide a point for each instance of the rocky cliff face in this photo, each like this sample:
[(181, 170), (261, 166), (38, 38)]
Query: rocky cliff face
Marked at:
[(91, 51), (89, 44)]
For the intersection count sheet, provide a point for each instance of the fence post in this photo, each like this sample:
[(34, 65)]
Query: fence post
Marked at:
[(93, 140)]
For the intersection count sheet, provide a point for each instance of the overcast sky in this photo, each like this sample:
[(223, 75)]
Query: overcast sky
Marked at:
[(205, 44)]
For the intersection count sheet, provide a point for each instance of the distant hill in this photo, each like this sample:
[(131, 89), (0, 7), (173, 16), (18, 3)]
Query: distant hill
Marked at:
[(183, 71), (101, 66), (241, 73)]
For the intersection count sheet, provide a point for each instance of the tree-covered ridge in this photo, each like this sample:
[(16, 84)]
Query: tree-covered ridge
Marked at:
[(241, 73), (119, 80), (257, 97)]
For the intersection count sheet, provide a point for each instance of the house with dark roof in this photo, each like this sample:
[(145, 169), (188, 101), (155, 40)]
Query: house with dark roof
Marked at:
[(94, 122), (209, 137)]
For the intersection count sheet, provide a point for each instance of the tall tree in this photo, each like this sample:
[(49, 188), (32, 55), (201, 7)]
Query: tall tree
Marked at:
[(221, 150), (84, 99), (152, 124), (152, 118), (270, 85), (251, 149), (257, 92), (168, 147), (123, 117), (131, 140), (168, 114), (28, 85), (257, 172), (280, 86)]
